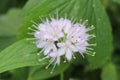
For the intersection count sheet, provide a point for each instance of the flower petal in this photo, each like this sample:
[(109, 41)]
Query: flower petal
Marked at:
[(68, 54), (61, 51), (58, 60)]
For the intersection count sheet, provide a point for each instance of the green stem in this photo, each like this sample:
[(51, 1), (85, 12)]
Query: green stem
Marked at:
[(61, 76)]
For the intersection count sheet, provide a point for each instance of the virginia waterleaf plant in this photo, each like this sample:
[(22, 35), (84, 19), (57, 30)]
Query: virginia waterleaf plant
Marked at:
[(58, 39), (62, 37)]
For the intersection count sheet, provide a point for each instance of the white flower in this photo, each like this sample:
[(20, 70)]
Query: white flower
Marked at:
[(60, 37), (67, 48)]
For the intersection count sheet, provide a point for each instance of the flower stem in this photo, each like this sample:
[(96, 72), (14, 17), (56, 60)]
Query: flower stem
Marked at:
[(61, 76)]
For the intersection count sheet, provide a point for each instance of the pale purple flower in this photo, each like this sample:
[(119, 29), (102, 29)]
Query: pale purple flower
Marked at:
[(61, 37)]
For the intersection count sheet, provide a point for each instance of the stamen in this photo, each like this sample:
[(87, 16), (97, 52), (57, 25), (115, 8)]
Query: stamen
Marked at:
[(38, 54), (42, 20), (43, 58), (31, 38), (89, 51), (50, 16), (93, 54), (50, 59), (30, 33), (53, 68), (92, 36), (34, 22), (32, 29), (42, 50), (82, 54), (57, 15), (65, 60), (92, 44), (91, 28), (89, 54), (90, 48), (33, 42), (85, 22), (66, 15), (35, 27), (81, 20), (74, 56), (74, 20), (50, 63)]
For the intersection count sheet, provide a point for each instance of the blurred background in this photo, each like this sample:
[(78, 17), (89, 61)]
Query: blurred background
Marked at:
[(10, 22)]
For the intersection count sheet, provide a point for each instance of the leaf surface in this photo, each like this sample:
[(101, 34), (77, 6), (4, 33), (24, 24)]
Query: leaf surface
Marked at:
[(80, 9)]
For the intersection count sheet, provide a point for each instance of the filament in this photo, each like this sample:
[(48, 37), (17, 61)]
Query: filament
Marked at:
[(57, 15), (53, 68), (30, 33), (41, 19), (53, 59), (32, 29), (35, 26), (91, 28), (31, 38), (90, 48), (43, 58), (34, 22)]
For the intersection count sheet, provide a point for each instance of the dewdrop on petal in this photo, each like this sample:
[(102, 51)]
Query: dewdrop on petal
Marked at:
[(61, 37)]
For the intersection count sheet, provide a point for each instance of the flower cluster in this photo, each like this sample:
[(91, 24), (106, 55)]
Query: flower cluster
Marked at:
[(62, 37)]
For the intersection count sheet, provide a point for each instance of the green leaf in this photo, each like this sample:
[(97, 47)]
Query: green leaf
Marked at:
[(40, 73), (20, 73), (104, 40), (117, 1), (22, 53), (118, 71), (31, 4), (80, 9), (10, 23), (6, 41), (109, 72)]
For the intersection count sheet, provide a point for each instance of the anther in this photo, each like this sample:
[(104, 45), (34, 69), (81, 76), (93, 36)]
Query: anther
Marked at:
[(91, 28), (89, 53), (80, 20), (92, 36), (53, 68), (64, 61), (74, 57), (90, 48), (94, 53), (38, 53), (85, 22), (51, 72)]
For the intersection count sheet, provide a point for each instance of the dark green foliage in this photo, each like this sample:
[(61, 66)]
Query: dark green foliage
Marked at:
[(18, 59)]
